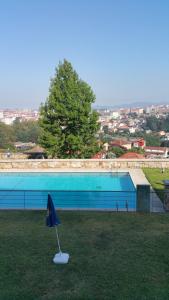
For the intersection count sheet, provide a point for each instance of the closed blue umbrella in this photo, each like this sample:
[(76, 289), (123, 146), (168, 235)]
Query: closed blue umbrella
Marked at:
[(52, 220)]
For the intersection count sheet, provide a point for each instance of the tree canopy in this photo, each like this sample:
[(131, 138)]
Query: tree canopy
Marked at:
[(152, 140), (26, 131), (68, 124), (157, 124), (117, 151), (19, 131), (7, 136)]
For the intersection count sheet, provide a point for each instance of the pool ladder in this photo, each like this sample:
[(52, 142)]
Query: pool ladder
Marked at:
[(126, 204)]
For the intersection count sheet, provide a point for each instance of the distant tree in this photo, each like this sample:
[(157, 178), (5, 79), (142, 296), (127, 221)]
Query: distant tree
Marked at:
[(133, 115), (137, 134), (68, 124), (117, 151), (166, 123), (165, 144), (152, 123), (26, 131), (7, 136), (157, 124), (152, 140), (110, 155), (106, 129), (106, 138)]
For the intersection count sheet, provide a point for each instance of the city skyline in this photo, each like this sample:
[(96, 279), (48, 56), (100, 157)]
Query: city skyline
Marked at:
[(120, 48)]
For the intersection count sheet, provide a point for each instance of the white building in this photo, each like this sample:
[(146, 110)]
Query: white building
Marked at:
[(132, 129), (115, 115), (9, 120), (1, 114)]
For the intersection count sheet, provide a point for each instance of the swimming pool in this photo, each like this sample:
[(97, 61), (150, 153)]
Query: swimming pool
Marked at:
[(104, 190)]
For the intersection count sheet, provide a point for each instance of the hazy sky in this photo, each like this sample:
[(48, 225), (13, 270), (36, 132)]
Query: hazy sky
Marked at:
[(120, 47)]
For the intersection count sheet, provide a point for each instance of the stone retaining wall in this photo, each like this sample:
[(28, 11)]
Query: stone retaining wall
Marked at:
[(112, 164)]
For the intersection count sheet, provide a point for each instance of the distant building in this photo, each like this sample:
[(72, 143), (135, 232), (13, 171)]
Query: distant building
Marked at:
[(132, 129), (148, 110), (99, 155), (8, 120), (148, 131), (155, 152), (138, 111), (1, 114), (123, 128), (24, 146), (106, 146), (8, 116), (115, 115), (161, 133), (138, 143), (132, 155), (126, 145)]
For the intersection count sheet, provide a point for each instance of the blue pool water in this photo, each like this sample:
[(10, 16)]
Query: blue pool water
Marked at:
[(69, 190)]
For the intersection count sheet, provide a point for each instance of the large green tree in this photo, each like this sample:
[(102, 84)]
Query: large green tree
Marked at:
[(68, 124)]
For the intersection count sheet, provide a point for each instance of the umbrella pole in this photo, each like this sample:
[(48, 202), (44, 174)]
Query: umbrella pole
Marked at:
[(60, 257), (58, 239)]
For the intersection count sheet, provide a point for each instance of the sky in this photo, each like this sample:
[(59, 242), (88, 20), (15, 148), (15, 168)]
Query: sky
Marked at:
[(119, 47)]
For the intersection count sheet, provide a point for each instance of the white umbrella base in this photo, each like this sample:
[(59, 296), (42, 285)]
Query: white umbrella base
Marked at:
[(61, 258)]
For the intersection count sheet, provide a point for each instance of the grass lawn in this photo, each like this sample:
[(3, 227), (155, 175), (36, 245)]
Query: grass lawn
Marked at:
[(112, 256), (155, 177)]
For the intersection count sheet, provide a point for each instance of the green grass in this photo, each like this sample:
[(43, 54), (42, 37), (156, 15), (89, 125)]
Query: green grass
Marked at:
[(112, 256), (156, 177)]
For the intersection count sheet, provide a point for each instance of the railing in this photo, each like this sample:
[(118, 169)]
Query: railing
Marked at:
[(69, 200), (83, 200)]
